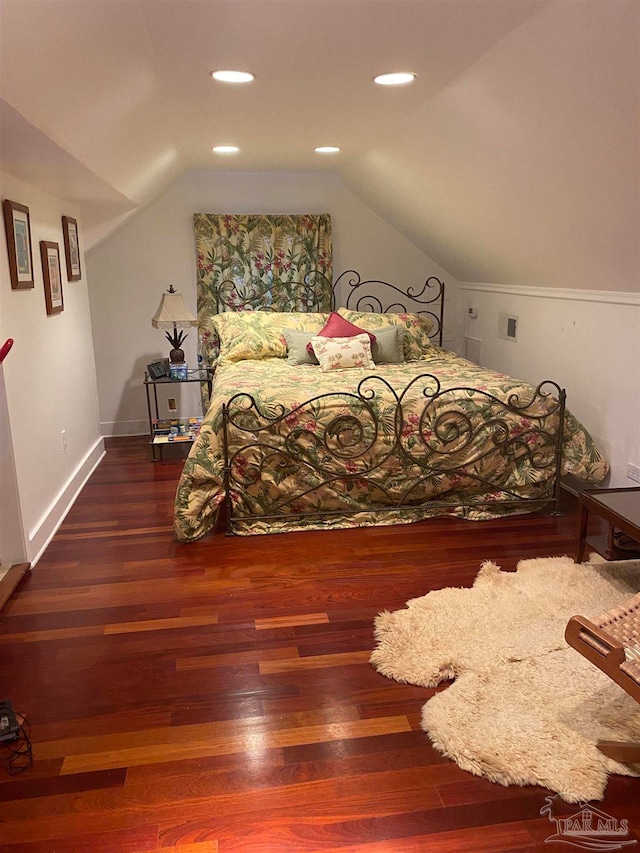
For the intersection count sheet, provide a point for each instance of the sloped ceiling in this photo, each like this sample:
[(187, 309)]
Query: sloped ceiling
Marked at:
[(512, 158)]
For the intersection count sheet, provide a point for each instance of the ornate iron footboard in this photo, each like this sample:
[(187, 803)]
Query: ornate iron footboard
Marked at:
[(425, 447)]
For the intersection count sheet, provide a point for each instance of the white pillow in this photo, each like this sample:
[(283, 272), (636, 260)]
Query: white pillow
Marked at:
[(341, 353)]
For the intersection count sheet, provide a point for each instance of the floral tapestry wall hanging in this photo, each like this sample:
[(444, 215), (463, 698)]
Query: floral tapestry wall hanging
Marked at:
[(260, 259), (270, 255)]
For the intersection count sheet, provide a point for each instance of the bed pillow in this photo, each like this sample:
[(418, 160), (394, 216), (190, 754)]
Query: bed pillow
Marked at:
[(259, 334), (388, 347), (339, 327), (416, 343), (341, 353), (297, 342)]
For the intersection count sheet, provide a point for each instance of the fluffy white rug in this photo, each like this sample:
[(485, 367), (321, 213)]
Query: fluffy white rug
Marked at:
[(525, 708)]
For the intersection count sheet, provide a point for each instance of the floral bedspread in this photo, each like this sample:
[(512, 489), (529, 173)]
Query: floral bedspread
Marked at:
[(459, 430)]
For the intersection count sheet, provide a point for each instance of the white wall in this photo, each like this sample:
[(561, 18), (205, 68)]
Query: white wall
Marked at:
[(587, 341), (129, 271), (50, 385)]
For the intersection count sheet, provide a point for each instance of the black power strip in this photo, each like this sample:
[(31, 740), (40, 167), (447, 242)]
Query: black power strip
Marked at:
[(15, 737), (9, 726)]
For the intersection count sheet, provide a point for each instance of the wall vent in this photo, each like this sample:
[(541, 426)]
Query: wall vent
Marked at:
[(508, 327), (473, 349)]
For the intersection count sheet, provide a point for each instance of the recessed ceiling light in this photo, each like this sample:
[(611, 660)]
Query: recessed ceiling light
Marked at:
[(232, 76), (326, 149), (225, 149), (395, 78)]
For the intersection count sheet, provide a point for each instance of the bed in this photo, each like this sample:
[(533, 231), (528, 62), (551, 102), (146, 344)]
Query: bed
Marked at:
[(288, 445)]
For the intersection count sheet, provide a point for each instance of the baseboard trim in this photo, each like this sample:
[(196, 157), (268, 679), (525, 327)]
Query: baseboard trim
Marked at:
[(11, 580), (44, 531), (614, 297), (112, 429)]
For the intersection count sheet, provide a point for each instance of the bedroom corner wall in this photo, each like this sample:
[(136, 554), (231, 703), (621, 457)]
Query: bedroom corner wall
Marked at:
[(49, 386), (585, 340), (129, 271)]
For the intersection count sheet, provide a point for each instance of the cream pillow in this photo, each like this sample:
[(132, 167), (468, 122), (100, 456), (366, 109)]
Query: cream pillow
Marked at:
[(341, 353)]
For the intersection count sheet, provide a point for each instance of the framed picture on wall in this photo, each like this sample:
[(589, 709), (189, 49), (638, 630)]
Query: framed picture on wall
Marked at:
[(18, 231), (71, 248), (50, 254)]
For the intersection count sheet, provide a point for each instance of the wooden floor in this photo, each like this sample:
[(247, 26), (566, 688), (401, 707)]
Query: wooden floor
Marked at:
[(218, 697)]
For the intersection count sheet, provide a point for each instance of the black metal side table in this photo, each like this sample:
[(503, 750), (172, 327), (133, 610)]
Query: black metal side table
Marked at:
[(204, 374)]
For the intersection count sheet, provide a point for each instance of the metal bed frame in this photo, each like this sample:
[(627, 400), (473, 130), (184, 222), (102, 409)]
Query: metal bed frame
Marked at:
[(363, 430)]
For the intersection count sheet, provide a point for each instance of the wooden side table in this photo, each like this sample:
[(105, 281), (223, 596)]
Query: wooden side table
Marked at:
[(620, 508)]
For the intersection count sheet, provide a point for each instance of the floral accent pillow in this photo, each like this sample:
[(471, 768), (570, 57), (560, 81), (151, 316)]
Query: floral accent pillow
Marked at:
[(259, 334), (341, 353), (416, 343)]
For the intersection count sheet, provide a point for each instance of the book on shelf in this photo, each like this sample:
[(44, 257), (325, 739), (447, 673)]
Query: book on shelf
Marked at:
[(168, 430), (162, 426)]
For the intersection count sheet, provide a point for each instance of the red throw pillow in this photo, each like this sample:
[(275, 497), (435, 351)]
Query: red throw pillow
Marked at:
[(337, 327)]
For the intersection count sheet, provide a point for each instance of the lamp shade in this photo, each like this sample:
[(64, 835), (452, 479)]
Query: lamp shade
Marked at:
[(172, 312)]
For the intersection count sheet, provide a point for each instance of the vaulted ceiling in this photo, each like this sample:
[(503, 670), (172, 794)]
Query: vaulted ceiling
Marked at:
[(512, 157)]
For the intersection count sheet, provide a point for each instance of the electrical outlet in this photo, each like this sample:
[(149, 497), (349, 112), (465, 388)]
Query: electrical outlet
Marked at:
[(633, 472), (171, 403), (63, 436)]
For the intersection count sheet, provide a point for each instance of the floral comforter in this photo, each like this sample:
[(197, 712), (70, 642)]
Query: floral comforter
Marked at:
[(345, 462)]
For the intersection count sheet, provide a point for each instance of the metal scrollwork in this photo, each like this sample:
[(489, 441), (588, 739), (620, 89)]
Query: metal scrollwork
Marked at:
[(318, 294), (382, 297), (424, 446), (315, 293)]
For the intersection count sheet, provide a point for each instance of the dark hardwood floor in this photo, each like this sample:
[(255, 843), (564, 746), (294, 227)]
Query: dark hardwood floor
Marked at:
[(218, 697)]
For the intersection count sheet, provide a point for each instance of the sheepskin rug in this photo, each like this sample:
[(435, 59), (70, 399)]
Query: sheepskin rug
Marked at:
[(524, 708)]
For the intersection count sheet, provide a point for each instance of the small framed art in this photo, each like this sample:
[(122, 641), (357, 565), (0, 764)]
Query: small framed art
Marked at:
[(18, 231), (50, 254), (71, 248)]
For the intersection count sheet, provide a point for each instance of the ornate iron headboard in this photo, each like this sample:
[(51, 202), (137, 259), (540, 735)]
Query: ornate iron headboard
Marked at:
[(317, 293), (384, 298)]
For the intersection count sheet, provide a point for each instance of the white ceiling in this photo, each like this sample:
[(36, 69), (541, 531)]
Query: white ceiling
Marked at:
[(106, 102)]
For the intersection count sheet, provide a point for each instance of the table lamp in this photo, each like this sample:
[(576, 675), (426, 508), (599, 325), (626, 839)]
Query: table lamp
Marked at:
[(173, 314)]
